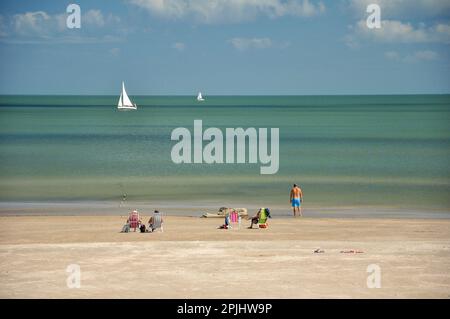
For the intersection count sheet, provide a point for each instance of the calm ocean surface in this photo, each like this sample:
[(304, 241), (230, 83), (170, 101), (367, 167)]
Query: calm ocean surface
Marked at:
[(345, 151)]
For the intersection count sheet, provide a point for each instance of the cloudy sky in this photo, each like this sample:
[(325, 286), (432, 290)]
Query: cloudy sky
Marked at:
[(303, 47)]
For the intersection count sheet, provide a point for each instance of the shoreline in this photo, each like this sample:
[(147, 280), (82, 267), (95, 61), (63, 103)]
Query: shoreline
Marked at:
[(198, 208)]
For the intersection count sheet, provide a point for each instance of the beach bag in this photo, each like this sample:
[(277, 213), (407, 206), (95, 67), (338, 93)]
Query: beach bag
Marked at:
[(126, 228), (142, 228)]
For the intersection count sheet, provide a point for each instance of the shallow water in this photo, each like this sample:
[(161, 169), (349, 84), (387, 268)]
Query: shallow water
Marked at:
[(377, 151)]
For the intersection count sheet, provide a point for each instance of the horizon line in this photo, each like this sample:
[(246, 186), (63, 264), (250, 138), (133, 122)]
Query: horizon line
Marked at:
[(227, 95)]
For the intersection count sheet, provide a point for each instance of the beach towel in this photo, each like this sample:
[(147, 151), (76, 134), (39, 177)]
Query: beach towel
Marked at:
[(352, 251)]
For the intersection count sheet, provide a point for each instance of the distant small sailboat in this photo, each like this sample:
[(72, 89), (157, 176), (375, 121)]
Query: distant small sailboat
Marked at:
[(199, 97), (125, 103)]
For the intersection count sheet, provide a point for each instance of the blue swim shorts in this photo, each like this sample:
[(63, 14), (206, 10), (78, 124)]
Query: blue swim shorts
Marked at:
[(296, 202)]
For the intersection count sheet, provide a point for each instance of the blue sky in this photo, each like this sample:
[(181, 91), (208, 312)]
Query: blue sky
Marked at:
[(224, 47)]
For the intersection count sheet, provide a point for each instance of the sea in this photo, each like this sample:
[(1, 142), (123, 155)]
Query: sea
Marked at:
[(366, 154)]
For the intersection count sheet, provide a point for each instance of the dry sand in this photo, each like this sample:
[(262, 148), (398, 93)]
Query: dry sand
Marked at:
[(193, 259)]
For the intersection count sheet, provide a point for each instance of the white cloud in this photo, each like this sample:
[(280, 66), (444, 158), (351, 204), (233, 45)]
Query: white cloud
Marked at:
[(404, 8), (32, 23), (426, 55), (351, 41), (114, 51), (225, 11), (443, 30), (38, 26), (392, 55), (417, 56), (180, 46), (94, 17), (250, 43), (3, 32), (398, 32)]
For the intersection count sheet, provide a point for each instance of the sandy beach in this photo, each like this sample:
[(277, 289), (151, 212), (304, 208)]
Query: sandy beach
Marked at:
[(193, 259)]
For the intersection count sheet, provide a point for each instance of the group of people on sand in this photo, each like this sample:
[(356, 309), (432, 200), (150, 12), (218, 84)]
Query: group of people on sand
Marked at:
[(295, 199), (255, 220), (156, 220), (134, 221)]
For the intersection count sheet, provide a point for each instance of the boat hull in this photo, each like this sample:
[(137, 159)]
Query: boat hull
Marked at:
[(127, 108)]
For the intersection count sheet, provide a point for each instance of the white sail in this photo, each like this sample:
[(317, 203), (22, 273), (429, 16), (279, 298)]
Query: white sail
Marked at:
[(199, 97), (120, 100), (124, 101)]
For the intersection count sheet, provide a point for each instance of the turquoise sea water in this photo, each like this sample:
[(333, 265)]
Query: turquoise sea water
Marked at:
[(386, 151)]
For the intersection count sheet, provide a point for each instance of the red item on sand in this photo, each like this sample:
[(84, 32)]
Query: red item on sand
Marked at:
[(351, 252), (133, 219)]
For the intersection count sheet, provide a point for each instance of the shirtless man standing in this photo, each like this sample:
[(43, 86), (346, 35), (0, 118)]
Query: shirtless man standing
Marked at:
[(296, 199)]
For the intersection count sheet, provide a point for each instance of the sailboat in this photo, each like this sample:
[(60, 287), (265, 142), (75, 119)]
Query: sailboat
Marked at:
[(125, 103), (199, 97)]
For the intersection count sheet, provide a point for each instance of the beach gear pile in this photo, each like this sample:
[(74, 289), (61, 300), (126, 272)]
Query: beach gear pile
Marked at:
[(232, 217), (224, 211)]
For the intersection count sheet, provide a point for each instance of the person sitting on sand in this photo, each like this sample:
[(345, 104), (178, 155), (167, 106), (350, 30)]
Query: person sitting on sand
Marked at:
[(155, 221), (126, 227), (227, 223), (255, 219), (134, 220)]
